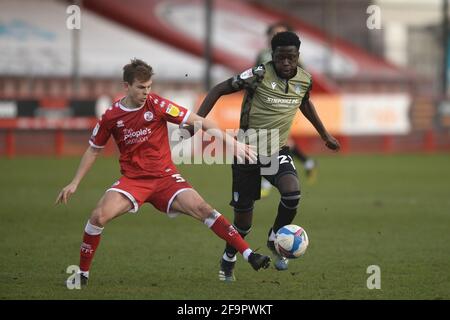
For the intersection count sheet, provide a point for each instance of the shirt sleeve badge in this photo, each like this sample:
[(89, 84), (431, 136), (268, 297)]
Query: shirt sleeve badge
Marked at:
[(173, 110)]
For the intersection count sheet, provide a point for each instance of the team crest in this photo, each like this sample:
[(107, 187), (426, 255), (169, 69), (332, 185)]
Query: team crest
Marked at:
[(298, 88), (148, 116)]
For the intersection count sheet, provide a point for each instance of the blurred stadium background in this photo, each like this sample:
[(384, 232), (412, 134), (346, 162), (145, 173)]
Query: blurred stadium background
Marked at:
[(381, 90), (384, 92)]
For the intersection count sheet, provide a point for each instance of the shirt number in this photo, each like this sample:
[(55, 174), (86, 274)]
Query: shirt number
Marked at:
[(286, 159), (178, 177)]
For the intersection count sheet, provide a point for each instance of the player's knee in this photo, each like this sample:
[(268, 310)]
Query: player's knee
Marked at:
[(288, 183), (290, 200), (203, 210), (99, 217)]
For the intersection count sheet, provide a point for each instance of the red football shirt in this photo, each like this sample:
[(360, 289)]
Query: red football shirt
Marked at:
[(141, 135)]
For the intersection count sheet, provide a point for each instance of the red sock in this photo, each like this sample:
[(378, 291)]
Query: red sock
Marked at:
[(87, 251), (227, 232), (91, 239)]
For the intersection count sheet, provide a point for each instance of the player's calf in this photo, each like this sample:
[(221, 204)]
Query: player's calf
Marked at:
[(91, 240), (228, 261)]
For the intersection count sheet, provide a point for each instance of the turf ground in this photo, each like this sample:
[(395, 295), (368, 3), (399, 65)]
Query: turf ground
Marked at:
[(389, 211)]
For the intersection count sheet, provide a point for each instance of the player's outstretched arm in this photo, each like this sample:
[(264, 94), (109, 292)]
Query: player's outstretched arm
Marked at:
[(213, 95), (211, 98), (86, 163), (309, 111), (239, 149)]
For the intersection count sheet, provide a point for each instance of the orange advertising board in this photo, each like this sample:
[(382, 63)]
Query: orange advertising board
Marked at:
[(227, 111), (329, 108)]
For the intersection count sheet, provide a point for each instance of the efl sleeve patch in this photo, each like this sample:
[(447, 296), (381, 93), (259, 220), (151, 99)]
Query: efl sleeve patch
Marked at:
[(172, 110), (246, 74), (249, 79)]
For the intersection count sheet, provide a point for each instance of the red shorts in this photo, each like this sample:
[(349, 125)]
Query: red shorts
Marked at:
[(160, 192)]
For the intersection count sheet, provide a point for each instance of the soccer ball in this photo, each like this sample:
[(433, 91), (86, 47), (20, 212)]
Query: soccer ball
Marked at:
[(291, 241)]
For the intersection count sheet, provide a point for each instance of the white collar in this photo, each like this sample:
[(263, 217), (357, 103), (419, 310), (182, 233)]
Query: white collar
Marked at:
[(121, 106)]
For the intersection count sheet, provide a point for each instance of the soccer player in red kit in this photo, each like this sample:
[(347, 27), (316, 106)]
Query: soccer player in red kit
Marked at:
[(138, 124)]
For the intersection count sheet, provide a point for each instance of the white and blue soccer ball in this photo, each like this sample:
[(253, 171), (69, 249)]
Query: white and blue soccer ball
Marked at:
[(291, 241)]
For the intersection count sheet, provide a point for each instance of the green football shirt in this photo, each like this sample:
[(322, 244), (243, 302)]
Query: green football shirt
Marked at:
[(270, 104)]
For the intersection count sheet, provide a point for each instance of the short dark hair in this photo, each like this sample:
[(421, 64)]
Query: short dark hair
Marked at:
[(277, 24), (137, 69), (286, 38)]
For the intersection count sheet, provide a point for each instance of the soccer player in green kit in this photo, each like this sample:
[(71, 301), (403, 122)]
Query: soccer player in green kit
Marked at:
[(309, 164), (274, 92)]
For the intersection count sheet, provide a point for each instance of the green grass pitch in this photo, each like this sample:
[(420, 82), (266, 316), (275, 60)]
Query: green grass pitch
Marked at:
[(389, 211)]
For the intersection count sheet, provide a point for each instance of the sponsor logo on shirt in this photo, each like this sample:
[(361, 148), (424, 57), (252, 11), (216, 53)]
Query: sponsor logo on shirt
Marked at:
[(131, 136), (148, 116), (282, 101)]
